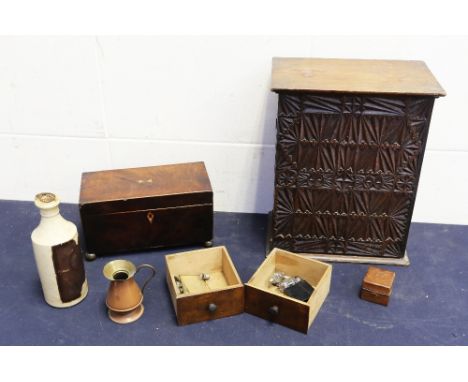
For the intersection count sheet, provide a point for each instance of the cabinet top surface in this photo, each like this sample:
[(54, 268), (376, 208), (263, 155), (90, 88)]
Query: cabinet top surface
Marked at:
[(354, 76), (144, 182)]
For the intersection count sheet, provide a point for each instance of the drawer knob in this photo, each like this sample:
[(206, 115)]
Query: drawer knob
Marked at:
[(212, 308), (150, 217), (273, 310)]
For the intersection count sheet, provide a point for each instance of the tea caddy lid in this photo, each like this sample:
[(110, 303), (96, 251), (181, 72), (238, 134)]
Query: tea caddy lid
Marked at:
[(142, 188)]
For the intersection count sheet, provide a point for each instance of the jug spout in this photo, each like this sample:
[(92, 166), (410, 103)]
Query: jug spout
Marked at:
[(119, 270)]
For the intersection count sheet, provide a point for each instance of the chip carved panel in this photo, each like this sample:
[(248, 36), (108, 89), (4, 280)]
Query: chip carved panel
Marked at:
[(347, 169)]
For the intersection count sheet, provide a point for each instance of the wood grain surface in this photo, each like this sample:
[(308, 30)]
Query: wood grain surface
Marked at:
[(294, 315), (143, 182), (376, 298), (264, 300), (148, 207), (378, 281), (354, 76), (227, 294), (191, 309), (152, 228)]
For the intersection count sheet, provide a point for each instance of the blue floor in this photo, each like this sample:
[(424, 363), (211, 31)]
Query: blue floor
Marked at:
[(429, 305)]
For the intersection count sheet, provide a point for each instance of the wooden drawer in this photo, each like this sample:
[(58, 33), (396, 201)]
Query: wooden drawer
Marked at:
[(221, 296), (266, 301)]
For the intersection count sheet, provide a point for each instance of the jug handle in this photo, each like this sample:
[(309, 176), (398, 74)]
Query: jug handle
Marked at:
[(153, 270)]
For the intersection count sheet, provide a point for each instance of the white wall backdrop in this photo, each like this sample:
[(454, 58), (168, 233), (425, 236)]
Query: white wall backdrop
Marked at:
[(74, 104)]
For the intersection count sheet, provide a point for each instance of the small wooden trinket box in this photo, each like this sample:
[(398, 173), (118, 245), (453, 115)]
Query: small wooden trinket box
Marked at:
[(147, 207), (377, 285), (266, 301), (204, 285)]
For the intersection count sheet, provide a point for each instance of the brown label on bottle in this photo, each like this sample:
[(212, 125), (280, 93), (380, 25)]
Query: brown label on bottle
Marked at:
[(69, 270)]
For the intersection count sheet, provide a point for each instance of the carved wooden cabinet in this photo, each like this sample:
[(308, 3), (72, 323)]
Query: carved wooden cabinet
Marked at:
[(351, 136)]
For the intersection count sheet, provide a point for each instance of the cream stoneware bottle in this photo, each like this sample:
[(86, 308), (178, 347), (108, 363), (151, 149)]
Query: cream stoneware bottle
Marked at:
[(58, 256)]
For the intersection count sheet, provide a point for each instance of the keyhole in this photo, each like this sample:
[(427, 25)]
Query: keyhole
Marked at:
[(150, 217)]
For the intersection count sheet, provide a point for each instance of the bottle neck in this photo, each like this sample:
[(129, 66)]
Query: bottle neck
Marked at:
[(51, 218), (49, 213), (53, 229)]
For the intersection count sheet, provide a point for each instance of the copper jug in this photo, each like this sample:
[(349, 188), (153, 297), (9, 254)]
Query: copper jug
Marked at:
[(124, 297)]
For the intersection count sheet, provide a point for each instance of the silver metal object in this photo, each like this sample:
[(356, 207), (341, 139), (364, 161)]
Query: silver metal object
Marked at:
[(288, 282), (205, 276), (283, 281), (179, 284), (277, 278)]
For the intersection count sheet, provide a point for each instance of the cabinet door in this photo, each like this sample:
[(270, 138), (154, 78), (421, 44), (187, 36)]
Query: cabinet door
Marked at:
[(347, 170)]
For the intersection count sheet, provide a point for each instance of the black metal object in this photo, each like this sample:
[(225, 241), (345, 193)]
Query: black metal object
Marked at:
[(300, 291)]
